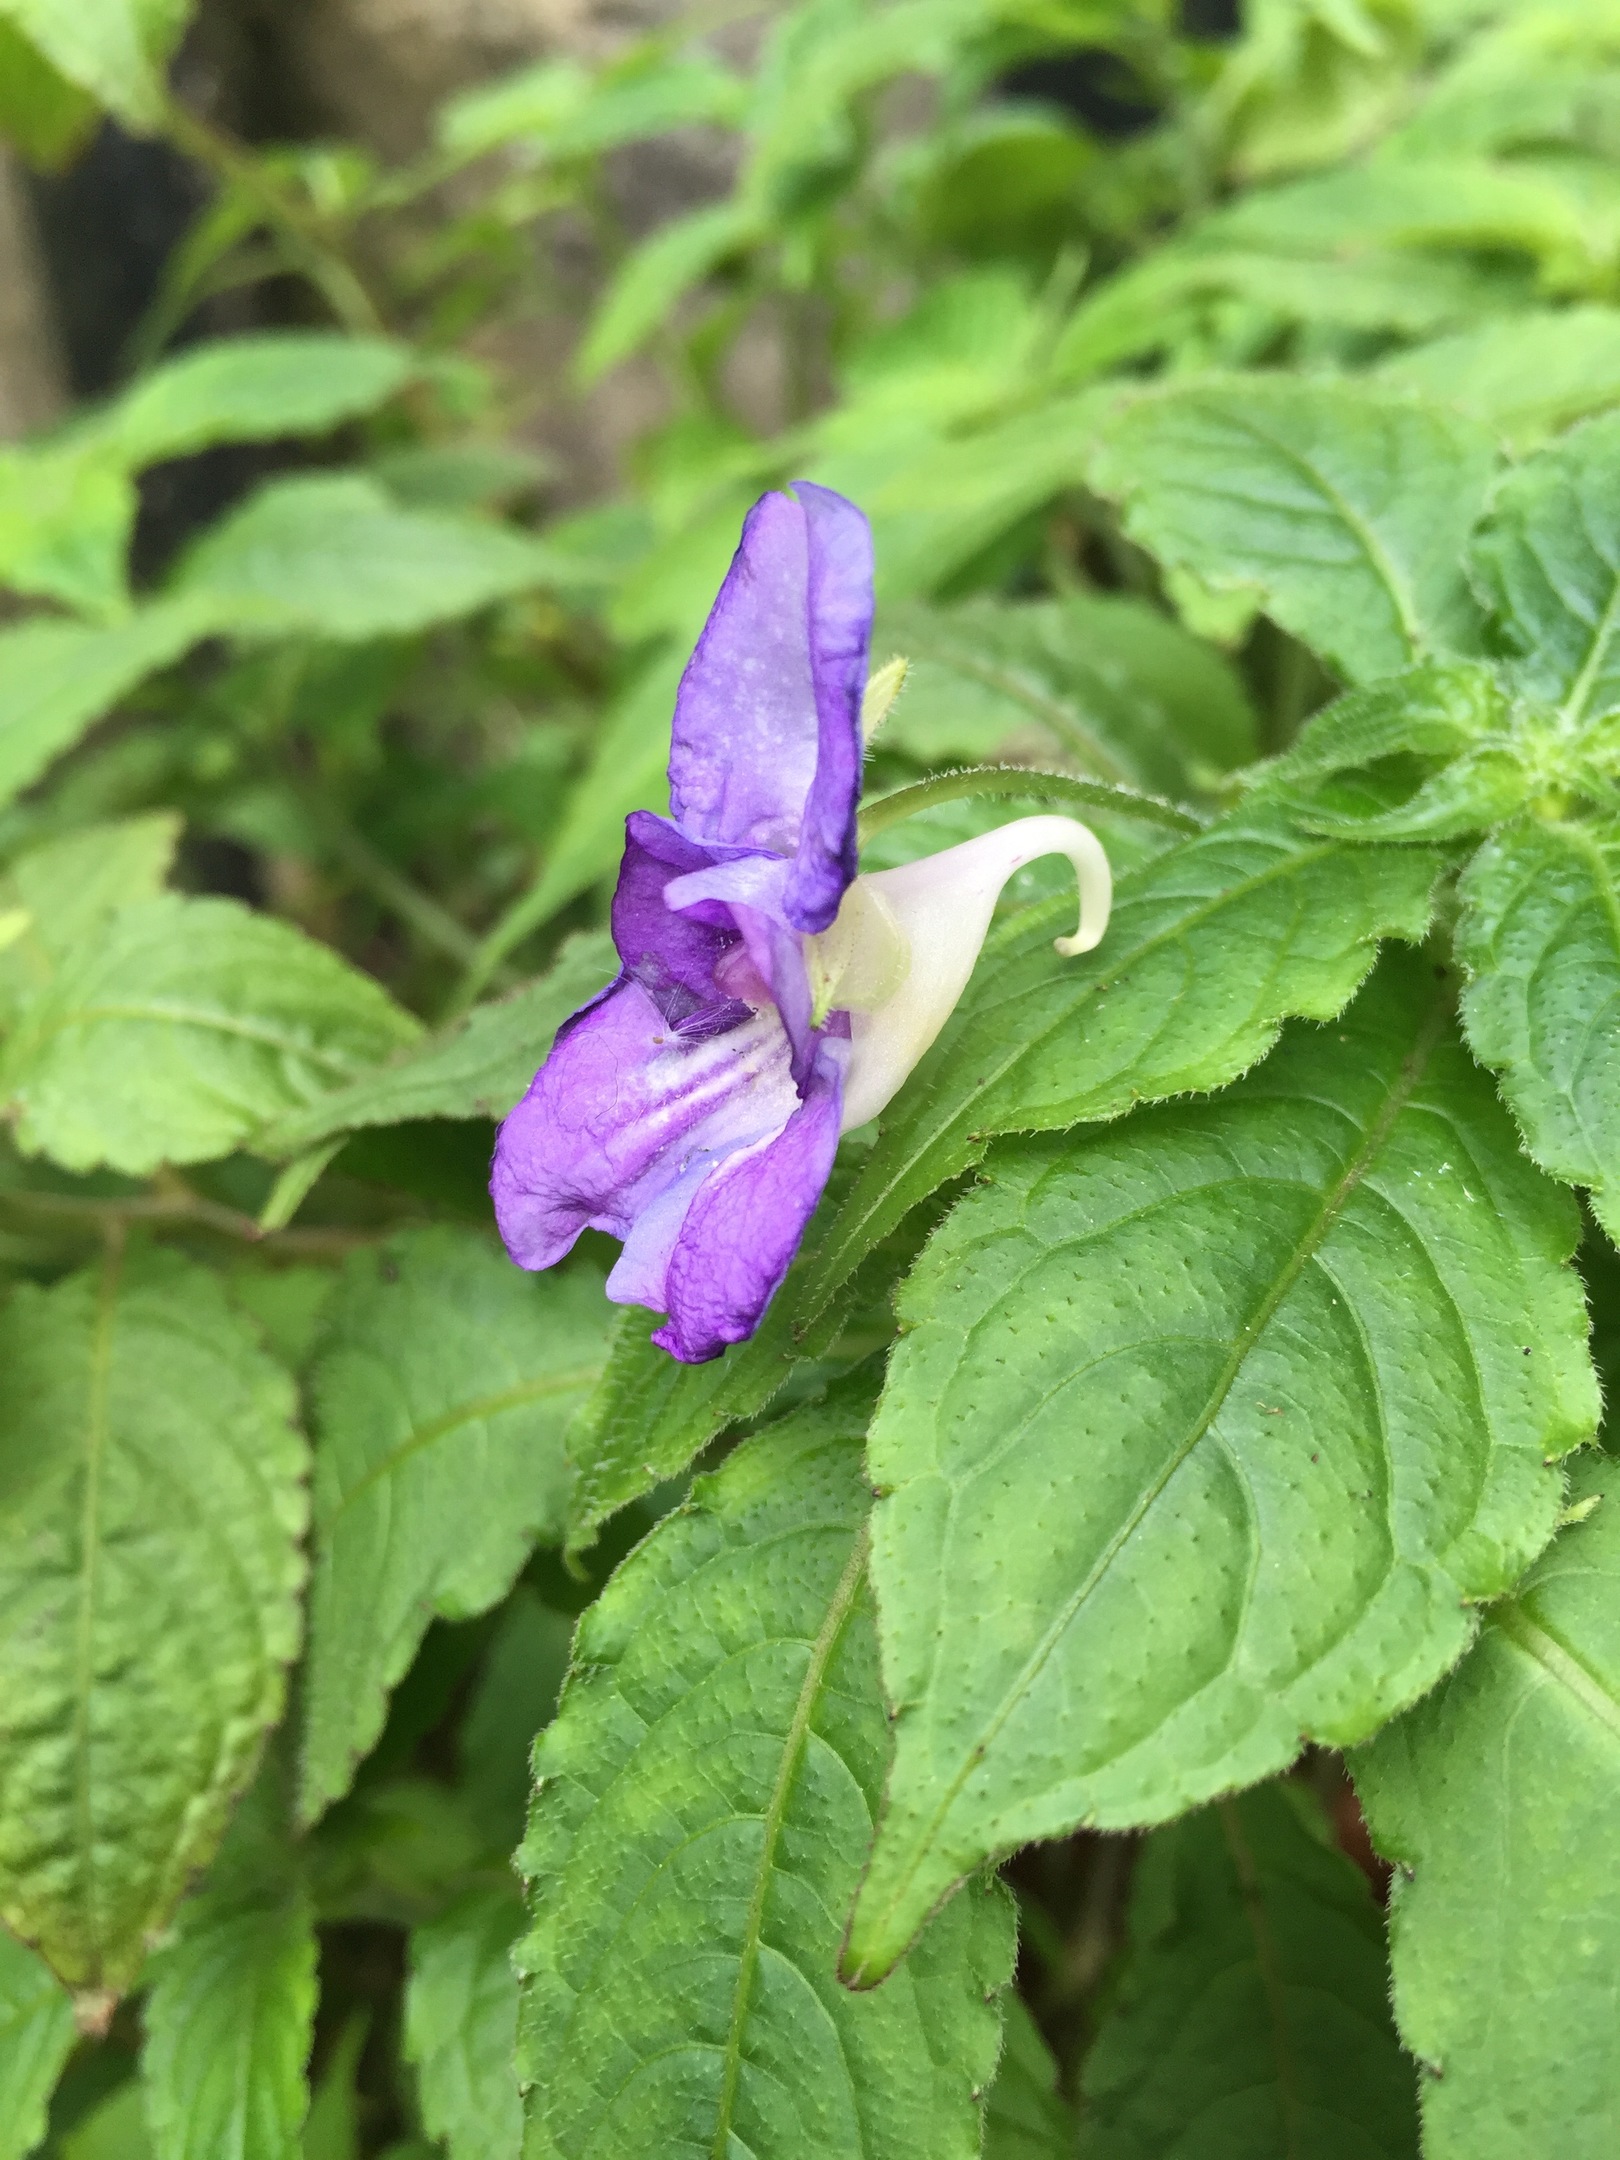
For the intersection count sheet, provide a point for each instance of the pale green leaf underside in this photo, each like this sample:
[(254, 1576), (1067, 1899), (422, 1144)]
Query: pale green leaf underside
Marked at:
[(1497, 1794), (152, 1508), (1343, 508), (442, 1393), (708, 1790), (36, 2035), (1549, 560), (461, 2008), (1252, 2018), (231, 2009), (1211, 946), (1203, 1435), (1540, 937), (181, 1029), (477, 1069)]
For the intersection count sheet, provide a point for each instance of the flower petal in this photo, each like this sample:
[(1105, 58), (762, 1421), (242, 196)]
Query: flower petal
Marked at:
[(621, 1111), (745, 1222), (672, 956), (840, 614), (942, 906), (766, 748)]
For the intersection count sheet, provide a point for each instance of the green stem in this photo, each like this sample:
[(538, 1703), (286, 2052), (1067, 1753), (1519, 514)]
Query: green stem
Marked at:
[(1021, 781), (301, 231)]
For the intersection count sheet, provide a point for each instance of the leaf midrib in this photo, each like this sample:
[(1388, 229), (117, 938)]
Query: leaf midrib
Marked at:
[(1560, 1663), (1372, 547), (465, 1413), (821, 1652), (832, 1272), (97, 1427), (1377, 1132), (175, 1014)]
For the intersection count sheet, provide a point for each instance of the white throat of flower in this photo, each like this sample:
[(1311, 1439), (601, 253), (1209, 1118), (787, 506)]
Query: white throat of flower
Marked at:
[(900, 952)]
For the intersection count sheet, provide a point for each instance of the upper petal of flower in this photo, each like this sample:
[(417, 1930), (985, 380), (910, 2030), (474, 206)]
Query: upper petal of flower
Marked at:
[(766, 749)]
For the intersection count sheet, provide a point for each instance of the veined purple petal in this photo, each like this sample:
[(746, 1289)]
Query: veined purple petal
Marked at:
[(672, 956), (745, 1220), (766, 749), (619, 1112), (753, 890), (839, 607)]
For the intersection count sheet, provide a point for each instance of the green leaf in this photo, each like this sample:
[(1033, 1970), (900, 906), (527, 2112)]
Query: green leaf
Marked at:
[(251, 389), (656, 275), (1549, 561), (1342, 508), (1252, 2017), (1211, 946), (518, 1686), (36, 2037), (114, 49), (1527, 376), (184, 1027), (557, 109), (42, 115), (66, 889), (1120, 688), (66, 511), (1255, 1369), (333, 2129), (1539, 935), (231, 2007), (116, 2130), (333, 555), (707, 1790), (442, 1396), (477, 1069), (58, 678), (152, 1508), (461, 2013), (1495, 1798), (1024, 2117)]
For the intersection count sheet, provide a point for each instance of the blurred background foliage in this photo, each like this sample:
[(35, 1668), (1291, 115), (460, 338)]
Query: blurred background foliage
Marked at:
[(386, 385)]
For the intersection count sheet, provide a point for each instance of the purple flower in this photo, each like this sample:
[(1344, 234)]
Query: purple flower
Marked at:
[(768, 999)]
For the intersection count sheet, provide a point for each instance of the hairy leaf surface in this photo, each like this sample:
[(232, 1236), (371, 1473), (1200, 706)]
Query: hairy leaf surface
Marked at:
[(152, 1506), (1539, 935), (1496, 1798), (442, 1394), (36, 2036), (1549, 559), (1025, 2118), (1252, 2018), (478, 1068), (1343, 508), (461, 2012), (1204, 1438), (231, 2009), (1210, 947), (184, 1027), (708, 1790), (1111, 683)]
